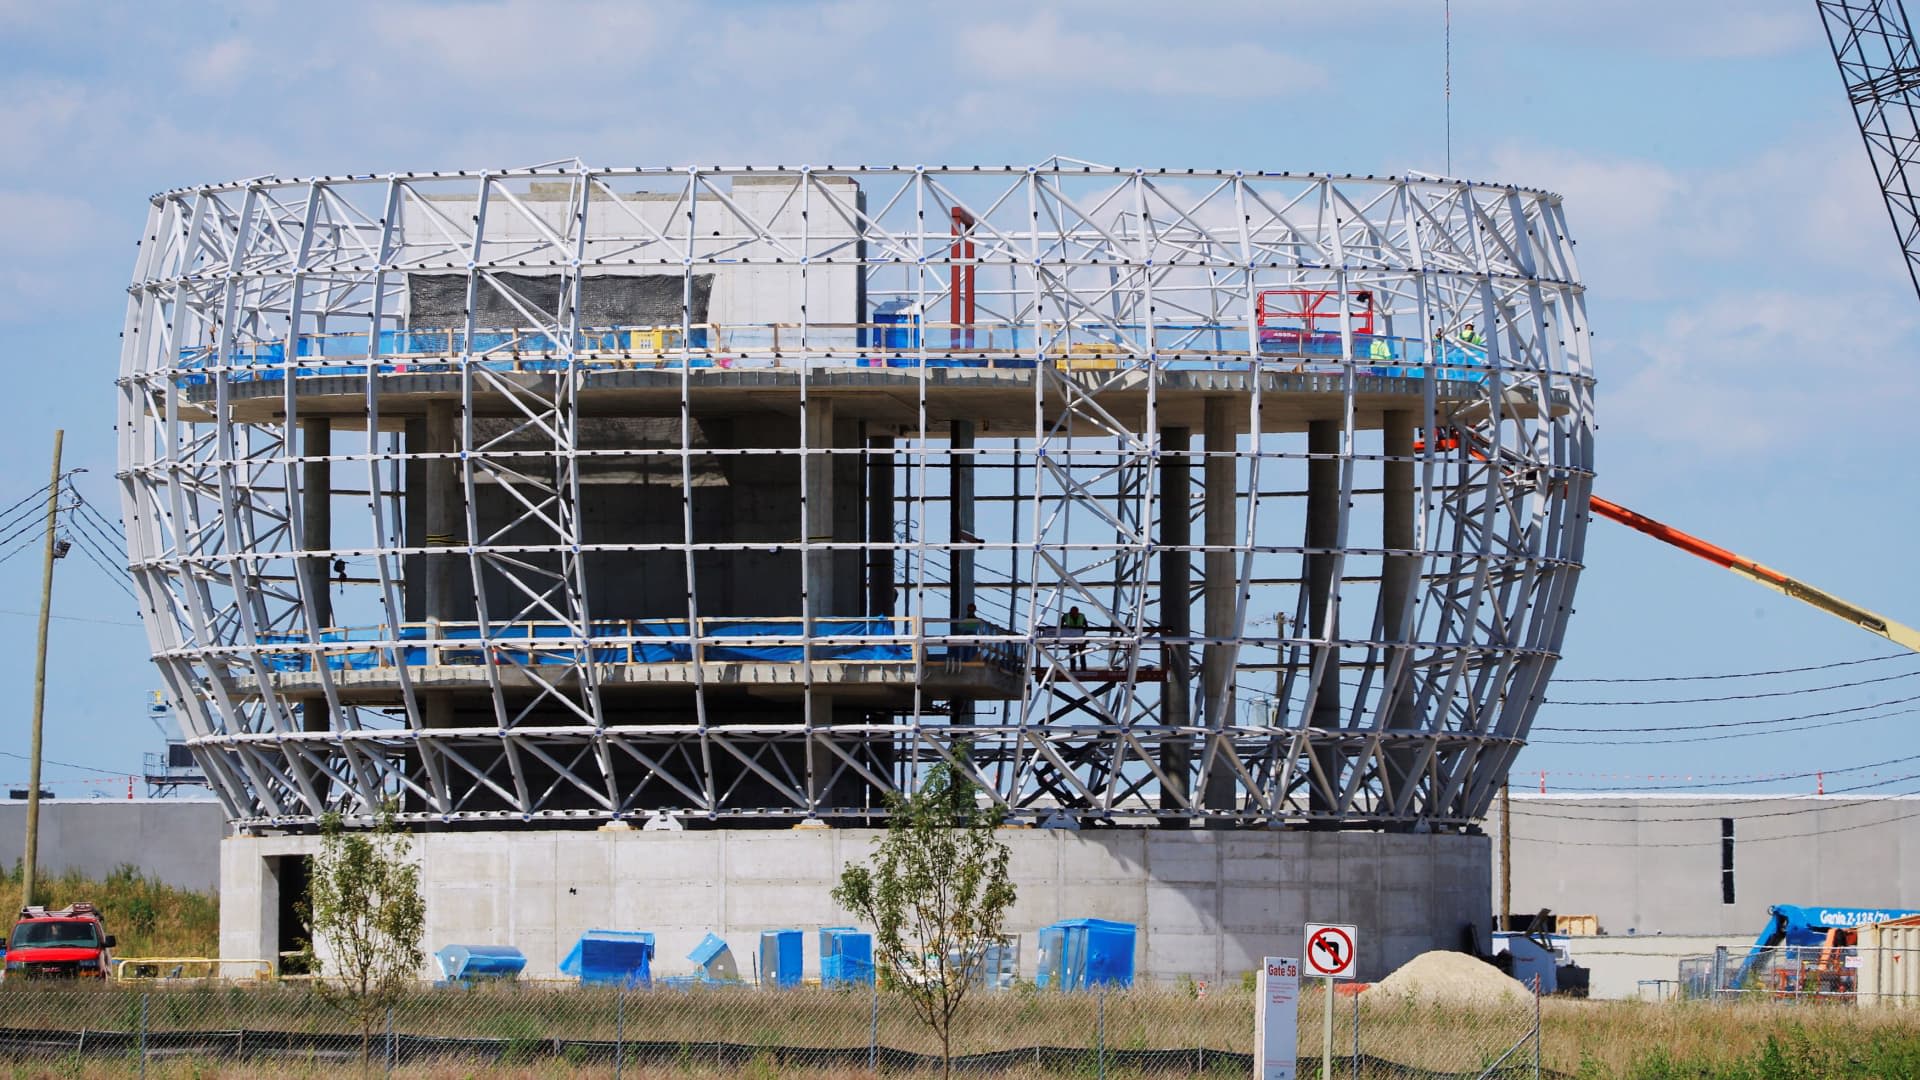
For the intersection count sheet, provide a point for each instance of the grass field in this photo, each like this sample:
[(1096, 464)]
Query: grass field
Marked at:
[(149, 918), (766, 1034)]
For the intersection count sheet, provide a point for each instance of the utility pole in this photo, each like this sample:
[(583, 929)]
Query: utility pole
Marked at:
[(1506, 858), (40, 678)]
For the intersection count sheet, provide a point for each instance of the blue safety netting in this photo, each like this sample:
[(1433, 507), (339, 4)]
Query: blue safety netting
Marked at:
[(900, 342), (796, 629), (611, 956), (1077, 954)]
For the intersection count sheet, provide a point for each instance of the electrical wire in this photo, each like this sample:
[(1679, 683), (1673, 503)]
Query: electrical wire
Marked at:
[(1745, 697), (1824, 726), (1662, 729), (63, 764), (1716, 840), (1748, 779), (1744, 674)]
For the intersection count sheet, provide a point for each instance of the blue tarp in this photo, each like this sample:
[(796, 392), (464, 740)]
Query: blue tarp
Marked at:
[(611, 956), (1077, 954), (846, 957), (781, 959), (795, 628)]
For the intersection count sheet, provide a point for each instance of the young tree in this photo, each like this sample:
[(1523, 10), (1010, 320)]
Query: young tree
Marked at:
[(363, 907), (936, 895)]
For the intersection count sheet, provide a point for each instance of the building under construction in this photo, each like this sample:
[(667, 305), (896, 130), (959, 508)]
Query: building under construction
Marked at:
[(1227, 520)]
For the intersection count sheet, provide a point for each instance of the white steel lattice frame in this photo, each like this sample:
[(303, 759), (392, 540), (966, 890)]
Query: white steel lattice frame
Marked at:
[(1115, 304)]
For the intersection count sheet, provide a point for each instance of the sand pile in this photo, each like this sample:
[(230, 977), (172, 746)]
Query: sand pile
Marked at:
[(1449, 978)]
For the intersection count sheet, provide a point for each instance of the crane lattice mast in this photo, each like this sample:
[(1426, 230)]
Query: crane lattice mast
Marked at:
[(1873, 45)]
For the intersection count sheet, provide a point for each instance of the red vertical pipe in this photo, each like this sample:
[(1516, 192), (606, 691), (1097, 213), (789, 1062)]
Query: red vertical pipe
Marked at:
[(960, 270)]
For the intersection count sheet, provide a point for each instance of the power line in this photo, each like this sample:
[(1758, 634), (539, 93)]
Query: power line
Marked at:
[(1743, 674), (1746, 697), (1668, 728), (1758, 779), (1824, 726), (1718, 814), (1715, 841)]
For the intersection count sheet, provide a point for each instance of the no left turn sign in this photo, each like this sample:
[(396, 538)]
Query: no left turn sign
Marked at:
[(1330, 950)]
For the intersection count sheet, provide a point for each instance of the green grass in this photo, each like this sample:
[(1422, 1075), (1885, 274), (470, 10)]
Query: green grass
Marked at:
[(147, 917)]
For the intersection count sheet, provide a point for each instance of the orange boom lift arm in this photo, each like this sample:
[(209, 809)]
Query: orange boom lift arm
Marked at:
[(1872, 622)]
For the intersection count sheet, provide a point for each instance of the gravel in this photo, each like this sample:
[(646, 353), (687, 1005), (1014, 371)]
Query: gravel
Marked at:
[(1449, 978)]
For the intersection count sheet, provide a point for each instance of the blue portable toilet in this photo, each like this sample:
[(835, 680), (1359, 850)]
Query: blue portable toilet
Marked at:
[(611, 957), (846, 957), (897, 326), (715, 960), (781, 958), (1078, 954), (467, 964)]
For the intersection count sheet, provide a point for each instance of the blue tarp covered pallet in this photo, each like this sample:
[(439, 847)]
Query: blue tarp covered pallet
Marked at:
[(611, 956), (846, 957), (781, 959), (1078, 954), (467, 963)]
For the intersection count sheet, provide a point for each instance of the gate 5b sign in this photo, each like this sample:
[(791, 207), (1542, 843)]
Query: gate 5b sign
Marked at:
[(1330, 950), (1276, 1023)]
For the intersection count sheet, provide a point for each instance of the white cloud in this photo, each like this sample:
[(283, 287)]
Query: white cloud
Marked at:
[(1756, 375), (1045, 50), (223, 64)]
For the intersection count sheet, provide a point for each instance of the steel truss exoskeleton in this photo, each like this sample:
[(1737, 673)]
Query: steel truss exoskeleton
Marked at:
[(573, 493)]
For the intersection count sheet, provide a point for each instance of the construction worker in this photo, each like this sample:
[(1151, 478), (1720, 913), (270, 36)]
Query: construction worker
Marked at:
[(968, 627), (1074, 624), (1470, 336)]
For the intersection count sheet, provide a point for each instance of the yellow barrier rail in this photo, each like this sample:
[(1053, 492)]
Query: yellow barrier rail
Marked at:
[(214, 965)]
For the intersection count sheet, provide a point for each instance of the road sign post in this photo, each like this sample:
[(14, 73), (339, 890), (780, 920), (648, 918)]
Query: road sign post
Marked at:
[(1276, 1021), (1329, 953)]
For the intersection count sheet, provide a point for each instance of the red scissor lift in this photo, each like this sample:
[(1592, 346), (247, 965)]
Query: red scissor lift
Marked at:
[(1306, 322)]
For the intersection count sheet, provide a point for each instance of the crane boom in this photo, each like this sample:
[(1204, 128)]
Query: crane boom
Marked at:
[(1872, 622), (1873, 45)]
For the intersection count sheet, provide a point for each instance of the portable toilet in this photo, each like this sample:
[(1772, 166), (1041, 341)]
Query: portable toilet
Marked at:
[(846, 957), (897, 328), (467, 964), (781, 958), (1078, 954), (611, 956), (714, 960)]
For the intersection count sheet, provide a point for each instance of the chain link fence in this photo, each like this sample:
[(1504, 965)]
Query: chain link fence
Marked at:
[(1805, 975), (219, 1029)]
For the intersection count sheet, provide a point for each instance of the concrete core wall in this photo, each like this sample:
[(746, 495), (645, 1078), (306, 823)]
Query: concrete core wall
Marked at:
[(175, 841), (1208, 903)]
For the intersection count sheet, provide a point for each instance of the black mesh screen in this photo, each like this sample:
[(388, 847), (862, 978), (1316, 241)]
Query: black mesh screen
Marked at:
[(440, 300)]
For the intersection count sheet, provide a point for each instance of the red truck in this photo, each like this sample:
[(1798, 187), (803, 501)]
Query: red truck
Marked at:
[(68, 941)]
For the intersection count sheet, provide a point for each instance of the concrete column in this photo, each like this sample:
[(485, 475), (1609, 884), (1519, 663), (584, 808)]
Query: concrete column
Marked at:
[(960, 512), (816, 510), (1219, 590), (960, 531), (1176, 613), (442, 510), (1323, 615), (880, 592), (316, 535), (316, 513), (1399, 580), (443, 530), (848, 519)]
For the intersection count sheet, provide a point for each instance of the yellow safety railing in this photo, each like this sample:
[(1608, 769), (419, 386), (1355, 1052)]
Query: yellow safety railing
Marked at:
[(174, 967)]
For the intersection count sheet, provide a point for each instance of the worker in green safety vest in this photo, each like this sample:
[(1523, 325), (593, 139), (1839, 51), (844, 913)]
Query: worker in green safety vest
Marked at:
[(1074, 624)]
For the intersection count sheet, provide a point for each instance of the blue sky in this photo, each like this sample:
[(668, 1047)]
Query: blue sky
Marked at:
[(1756, 330)]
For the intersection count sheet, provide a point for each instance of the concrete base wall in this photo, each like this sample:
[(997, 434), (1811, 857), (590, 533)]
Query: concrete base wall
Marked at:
[(1209, 904), (167, 840)]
